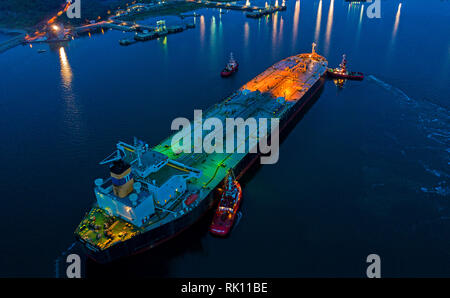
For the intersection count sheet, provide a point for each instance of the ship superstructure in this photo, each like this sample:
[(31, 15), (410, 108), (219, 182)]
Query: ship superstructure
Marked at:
[(152, 194)]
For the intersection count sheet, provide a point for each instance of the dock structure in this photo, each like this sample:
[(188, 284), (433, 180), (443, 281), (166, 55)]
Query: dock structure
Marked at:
[(246, 7), (143, 32), (265, 11), (139, 8), (187, 15), (146, 36), (159, 31), (126, 28), (90, 27)]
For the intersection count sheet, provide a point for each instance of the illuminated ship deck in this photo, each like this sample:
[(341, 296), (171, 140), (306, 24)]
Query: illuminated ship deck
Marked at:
[(285, 79)]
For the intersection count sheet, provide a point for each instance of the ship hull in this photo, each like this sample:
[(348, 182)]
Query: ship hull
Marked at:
[(219, 226), (156, 236), (227, 73)]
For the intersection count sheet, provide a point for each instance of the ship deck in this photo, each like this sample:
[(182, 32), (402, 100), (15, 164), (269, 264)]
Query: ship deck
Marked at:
[(284, 79), (102, 231)]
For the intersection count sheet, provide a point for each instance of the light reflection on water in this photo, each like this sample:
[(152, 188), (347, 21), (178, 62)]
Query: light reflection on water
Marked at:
[(329, 27), (212, 39), (72, 117), (318, 21), (66, 71), (295, 23), (280, 34), (394, 35), (202, 30), (274, 33), (246, 34), (358, 33), (397, 21)]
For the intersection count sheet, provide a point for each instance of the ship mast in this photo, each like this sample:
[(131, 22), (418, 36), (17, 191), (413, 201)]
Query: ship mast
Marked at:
[(343, 64)]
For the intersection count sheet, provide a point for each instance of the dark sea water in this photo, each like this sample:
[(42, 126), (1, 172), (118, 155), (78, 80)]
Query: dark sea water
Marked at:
[(365, 171), (4, 37)]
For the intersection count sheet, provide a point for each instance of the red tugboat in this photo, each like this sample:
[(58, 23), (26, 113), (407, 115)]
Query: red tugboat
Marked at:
[(228, 206), (231, 67), (342, 73)]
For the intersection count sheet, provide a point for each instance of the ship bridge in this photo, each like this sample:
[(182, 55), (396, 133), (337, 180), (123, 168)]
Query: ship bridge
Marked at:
[(143, 182)]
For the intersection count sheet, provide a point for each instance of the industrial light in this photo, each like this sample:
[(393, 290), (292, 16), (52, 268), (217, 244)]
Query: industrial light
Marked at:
[(55, 27)]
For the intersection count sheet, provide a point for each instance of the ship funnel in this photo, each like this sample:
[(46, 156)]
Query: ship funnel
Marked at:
[(122, 179)]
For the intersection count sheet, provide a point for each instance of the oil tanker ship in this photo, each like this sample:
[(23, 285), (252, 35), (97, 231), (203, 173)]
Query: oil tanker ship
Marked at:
[(154, 193)]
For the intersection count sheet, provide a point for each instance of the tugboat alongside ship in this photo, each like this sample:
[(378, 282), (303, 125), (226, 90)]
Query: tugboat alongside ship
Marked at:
[(228, 206), (231, 67), (154, 193), (342, 73)]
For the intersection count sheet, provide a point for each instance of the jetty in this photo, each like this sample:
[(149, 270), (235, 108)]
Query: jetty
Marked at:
[(246, 7), (265, 11)]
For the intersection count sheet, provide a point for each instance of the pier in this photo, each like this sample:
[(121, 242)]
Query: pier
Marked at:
[(160, 30), (265, 11), (143, 32), (247, 7)]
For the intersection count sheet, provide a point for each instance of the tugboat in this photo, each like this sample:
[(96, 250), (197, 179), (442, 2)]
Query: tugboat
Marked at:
[(231, 67), (228, 206), (342, 73)]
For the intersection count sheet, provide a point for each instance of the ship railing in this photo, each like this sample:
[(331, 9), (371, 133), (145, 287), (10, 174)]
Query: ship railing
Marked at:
[(165, 210), (193, 171)]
